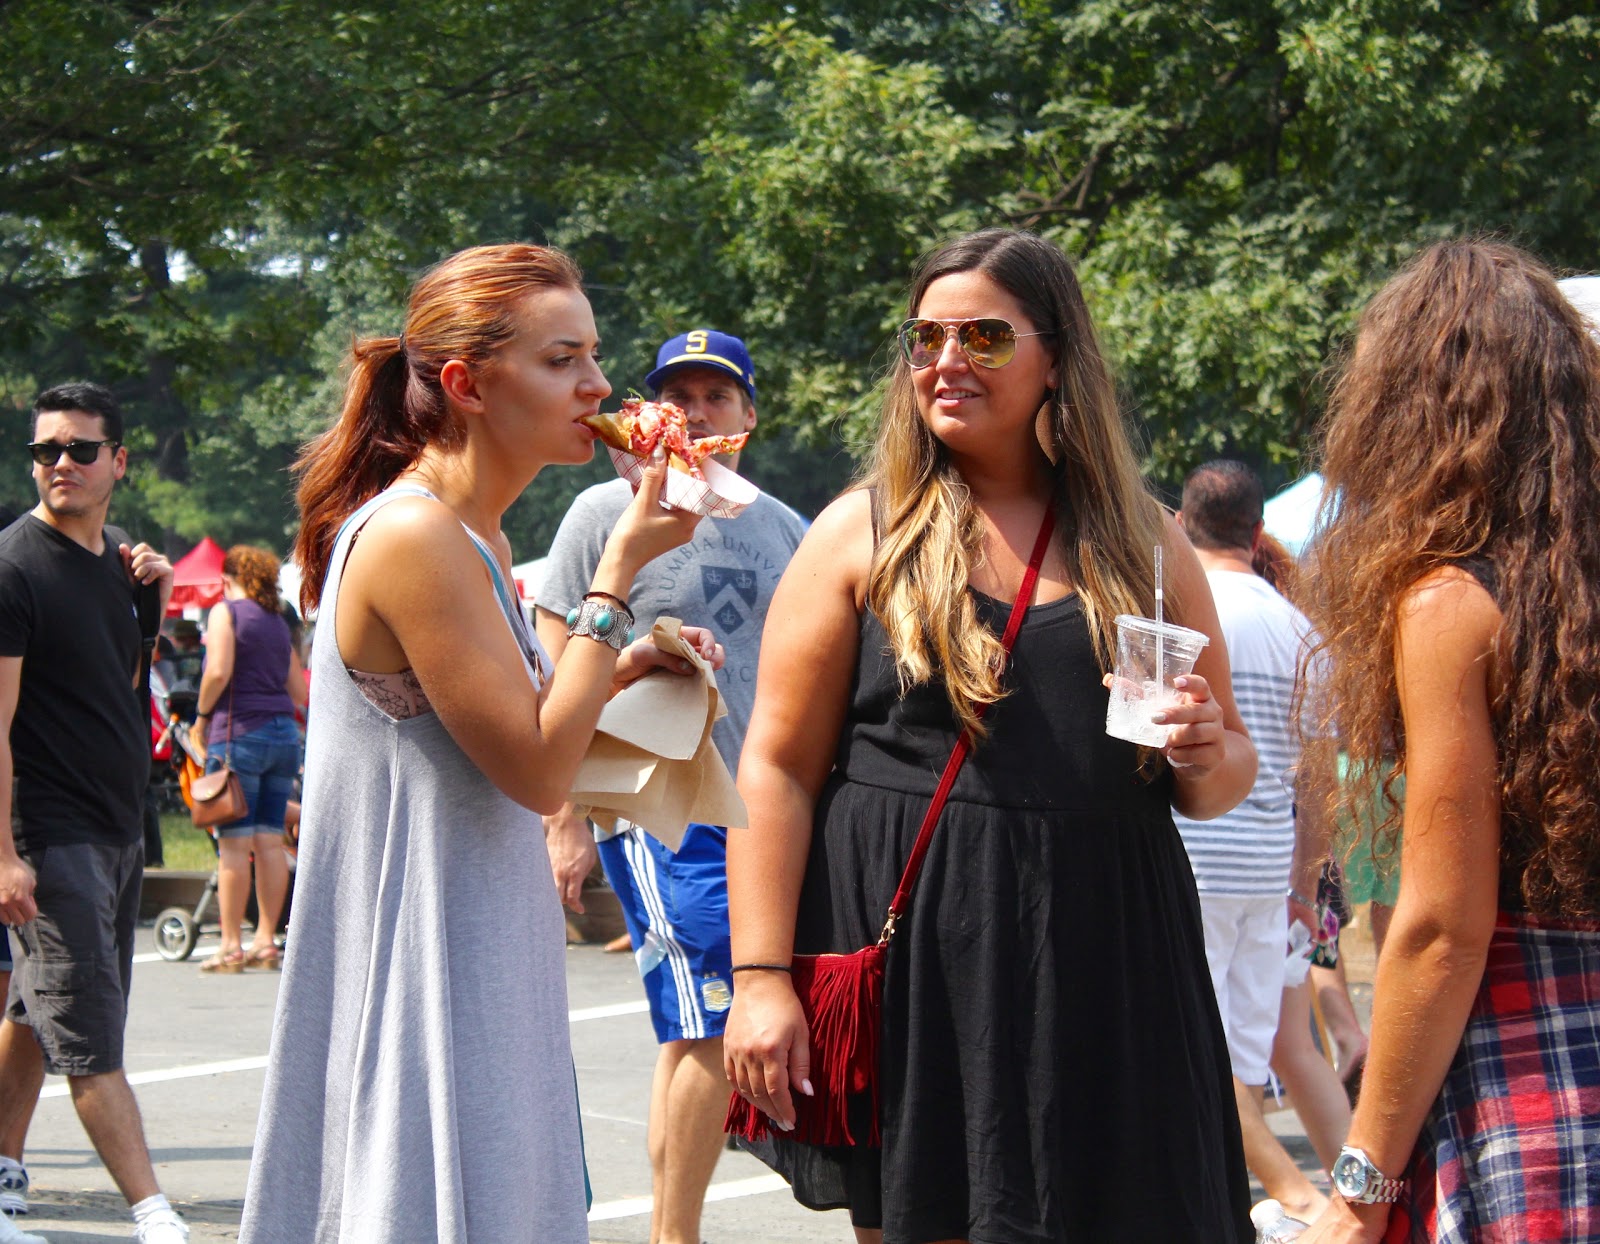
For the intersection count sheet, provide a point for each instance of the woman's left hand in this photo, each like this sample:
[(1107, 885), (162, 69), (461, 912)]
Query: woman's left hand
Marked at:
[(642, 656), (1195, 742), (197, 743), (1344, 1223)]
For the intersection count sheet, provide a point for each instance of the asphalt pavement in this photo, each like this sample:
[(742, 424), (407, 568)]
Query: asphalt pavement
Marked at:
[(196, 1053)]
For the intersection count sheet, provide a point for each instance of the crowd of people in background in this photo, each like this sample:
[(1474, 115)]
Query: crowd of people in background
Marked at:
[(1111, 951)]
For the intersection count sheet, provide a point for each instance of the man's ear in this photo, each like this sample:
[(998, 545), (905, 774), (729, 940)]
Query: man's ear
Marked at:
[(119, 462), (1255, 534), (750, 417), (1177, 517), (460, 385)]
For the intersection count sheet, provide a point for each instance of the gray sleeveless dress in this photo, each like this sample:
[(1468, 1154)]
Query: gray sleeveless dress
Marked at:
[(420, 1085)]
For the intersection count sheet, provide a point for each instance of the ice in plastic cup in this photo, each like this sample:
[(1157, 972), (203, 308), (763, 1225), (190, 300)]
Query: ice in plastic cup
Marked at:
[(1137, 692)]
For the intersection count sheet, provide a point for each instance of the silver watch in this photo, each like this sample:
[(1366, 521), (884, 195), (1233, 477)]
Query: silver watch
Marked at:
[(1358, 1180)]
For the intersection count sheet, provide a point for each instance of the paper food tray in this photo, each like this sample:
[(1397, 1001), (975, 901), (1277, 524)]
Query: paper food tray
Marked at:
[(722, 494)]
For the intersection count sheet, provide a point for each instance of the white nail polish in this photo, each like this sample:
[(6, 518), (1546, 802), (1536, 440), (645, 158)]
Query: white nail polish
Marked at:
[(805, 1087)]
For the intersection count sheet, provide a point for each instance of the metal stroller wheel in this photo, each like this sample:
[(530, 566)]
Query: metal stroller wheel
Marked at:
[(176, 934)]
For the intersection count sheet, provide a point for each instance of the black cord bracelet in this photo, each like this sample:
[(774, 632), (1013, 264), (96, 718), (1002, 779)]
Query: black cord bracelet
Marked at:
[(761, 967)]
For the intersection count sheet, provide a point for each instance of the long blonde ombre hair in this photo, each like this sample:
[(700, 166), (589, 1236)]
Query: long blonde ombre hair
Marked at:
[(929, 533)]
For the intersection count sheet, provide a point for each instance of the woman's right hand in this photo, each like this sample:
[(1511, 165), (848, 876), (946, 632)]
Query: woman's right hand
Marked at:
[(766, 1047), (649, 527)]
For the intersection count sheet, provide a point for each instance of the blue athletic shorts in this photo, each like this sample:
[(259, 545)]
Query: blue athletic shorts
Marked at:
[(5, 949), (675, 905)]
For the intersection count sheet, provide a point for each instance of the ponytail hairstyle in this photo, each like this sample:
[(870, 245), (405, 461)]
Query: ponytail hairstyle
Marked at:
[(930, 535), (1466, 425), (464, 308), (256, 571)]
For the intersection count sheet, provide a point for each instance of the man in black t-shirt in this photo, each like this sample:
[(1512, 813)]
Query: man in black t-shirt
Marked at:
[(74, 758)]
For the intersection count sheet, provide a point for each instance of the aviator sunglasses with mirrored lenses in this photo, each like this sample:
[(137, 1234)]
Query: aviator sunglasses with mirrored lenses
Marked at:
[(48, 453), (987, 342)]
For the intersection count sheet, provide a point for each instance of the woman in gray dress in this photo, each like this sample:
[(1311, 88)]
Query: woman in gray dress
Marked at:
[(421, 1081)]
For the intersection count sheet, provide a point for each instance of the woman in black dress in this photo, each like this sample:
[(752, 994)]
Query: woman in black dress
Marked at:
[(1052, 1063)]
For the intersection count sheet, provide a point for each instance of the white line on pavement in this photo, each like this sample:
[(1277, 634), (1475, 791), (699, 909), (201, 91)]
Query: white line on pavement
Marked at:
[(639, 1206), (175, 1073), (636, 1007), (257, 1063)]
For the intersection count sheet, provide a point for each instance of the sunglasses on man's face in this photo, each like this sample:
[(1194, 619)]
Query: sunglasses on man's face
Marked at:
[(48, 453), (987, 342)]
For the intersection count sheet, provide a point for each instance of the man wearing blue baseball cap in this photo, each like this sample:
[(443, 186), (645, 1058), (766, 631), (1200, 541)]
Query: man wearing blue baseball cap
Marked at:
[(675, 898)]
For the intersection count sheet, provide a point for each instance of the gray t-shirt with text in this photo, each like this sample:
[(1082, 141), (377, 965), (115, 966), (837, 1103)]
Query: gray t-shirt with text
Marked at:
[(722, 579)]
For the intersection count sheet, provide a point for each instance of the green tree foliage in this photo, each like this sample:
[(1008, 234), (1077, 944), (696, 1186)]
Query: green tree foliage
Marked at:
[(205, 199), (199, 193)]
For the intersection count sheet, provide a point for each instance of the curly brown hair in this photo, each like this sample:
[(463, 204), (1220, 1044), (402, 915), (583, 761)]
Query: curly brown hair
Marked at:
[(1272, 560), (256, 571), (1466, 425)]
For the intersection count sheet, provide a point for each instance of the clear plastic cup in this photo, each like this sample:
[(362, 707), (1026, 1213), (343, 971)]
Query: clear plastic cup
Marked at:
[(1137, 692)]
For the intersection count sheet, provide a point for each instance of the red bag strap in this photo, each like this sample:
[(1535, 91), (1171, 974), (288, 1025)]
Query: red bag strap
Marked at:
[(963, 747)]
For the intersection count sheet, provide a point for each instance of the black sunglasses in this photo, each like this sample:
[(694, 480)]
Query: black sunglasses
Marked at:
[(987, 342), (48, 453)]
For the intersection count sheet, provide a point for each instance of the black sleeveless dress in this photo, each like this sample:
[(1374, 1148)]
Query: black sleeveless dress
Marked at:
[(1053, 1064)]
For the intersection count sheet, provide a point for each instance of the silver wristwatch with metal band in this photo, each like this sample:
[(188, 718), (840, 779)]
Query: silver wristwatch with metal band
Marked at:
[(1358, 1180)]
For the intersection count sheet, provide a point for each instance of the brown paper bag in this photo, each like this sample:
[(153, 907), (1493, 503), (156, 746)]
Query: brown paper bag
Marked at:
[(652, 760)]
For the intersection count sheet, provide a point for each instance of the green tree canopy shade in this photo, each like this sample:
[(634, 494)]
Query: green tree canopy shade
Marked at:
[(203, 201)]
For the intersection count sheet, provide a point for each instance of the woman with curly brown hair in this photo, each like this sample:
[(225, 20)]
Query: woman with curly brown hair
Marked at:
[(249, 690), (1457, 588)]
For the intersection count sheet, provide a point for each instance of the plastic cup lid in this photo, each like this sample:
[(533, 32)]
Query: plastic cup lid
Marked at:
[(1168, 630)]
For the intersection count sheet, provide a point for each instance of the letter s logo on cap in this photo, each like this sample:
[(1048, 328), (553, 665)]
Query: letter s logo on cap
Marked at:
[(696, 343)]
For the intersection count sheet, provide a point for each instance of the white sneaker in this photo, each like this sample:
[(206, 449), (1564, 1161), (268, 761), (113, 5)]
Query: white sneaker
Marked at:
[(13, 1189), (164, 1227), (10, 1233)]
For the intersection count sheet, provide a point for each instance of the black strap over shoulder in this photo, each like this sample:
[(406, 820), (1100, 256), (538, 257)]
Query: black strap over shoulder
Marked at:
[(149, 604)]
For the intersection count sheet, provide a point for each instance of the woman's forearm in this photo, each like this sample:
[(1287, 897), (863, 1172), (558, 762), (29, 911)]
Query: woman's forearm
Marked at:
[(1422, 994), (766, 864)]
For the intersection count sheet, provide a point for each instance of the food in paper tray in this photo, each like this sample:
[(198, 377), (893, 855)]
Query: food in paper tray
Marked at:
[(696, 483), (640, 426)]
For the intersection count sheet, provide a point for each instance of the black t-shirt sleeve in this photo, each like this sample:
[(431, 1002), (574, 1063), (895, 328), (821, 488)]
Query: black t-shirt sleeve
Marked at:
[(16, 610)]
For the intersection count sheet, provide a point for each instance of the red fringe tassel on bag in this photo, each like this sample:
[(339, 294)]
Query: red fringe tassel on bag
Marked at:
[(842, 998)]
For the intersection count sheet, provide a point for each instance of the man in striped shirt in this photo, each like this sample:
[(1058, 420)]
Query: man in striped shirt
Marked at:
[(1247, 860)]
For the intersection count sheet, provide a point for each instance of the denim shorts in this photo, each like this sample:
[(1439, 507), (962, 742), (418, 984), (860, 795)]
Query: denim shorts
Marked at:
[(267, 760)]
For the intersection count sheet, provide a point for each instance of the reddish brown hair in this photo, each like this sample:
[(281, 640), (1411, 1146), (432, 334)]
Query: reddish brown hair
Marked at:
[(1466, 424), (256, 571), (464, 308)]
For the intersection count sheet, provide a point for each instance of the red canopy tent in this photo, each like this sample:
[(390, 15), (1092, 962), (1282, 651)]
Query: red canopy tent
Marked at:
[(197, 578)]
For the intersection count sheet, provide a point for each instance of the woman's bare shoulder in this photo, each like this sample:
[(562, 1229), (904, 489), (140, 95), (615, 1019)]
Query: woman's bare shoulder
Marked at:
[(840, 541)]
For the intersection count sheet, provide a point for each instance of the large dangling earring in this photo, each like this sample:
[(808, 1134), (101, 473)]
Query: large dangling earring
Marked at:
[(1044, 428)]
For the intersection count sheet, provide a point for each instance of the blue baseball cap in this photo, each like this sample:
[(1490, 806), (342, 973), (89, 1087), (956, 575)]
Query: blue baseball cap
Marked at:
[(704, 347)]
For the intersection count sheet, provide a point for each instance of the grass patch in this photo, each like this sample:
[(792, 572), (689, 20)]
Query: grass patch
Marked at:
[(184, 846)]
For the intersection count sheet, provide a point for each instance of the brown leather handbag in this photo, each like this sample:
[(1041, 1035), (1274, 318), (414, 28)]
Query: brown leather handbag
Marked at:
[(218, 798)]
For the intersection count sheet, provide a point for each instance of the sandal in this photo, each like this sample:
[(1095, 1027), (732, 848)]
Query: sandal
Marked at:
[(269, 957), (229, 961)]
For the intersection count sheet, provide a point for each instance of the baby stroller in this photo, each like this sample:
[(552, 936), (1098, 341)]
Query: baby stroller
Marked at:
[(177, 929)]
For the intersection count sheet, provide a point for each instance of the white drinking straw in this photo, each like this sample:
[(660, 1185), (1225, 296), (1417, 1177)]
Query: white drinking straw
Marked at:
[(1161, 681)]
